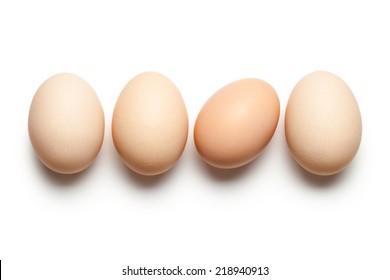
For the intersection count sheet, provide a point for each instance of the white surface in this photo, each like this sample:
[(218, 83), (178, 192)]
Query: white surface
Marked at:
[(269, 213)]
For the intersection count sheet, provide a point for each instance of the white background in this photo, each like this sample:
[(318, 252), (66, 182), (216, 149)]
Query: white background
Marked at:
[(269, 213)]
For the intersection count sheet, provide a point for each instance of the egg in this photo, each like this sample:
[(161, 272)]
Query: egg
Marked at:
[(66, 123), (323, 125), (236, 123), (150, 124)]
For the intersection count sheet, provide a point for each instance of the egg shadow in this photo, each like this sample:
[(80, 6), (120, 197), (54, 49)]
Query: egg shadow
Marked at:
[(142, 181), (222, 175), (312, 180), (58, 179)]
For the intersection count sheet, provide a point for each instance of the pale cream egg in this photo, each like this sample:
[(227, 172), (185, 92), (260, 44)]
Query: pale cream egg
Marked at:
[(66, 123), (150, 124), (323, 124)]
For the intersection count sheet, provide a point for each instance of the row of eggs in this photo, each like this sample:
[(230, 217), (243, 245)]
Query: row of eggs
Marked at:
[(323, 124)]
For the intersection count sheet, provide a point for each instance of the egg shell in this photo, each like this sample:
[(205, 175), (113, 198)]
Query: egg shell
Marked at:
[(66, 123), (323, 125), (150, 124), (236, 123)]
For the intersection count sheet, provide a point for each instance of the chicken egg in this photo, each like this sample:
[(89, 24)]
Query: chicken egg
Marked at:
[(150, 124), (66, 123), (323, 125), (236, 123)]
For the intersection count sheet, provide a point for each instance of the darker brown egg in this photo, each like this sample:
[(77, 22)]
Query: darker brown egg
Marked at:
[(236, 123)]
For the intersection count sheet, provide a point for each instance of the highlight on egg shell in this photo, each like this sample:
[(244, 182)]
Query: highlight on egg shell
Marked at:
[(150, 124), (66, 123), (323, 125), (236, 123)]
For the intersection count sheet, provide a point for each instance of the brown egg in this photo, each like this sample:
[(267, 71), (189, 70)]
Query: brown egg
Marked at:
[(323, 124), (66, 123), (236, 123), (150, 124)]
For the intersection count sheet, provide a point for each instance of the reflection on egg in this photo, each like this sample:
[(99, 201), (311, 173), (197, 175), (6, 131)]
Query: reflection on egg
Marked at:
[(150, 124), (236, 123), (66, 123), (322, 123)]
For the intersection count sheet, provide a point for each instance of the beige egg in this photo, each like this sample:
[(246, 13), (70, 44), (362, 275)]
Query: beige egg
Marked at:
[(150, 124), (236, 123), (66, 123), (323, 125)]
